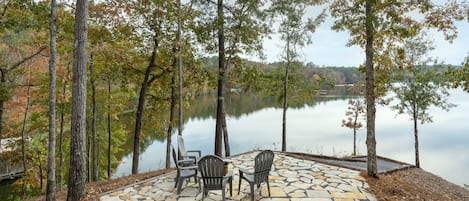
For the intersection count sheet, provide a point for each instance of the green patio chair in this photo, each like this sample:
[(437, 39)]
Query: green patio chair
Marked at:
[(213, 175), (262, 166), (185, 170)]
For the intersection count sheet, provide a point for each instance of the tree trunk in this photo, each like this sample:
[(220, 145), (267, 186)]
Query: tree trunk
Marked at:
[(23, 139), (76, 179), (50, 192), (88, 160), (180, 72), (93, 120), (225, 134), (285, 103), (61, 132), (357, 105), (2, 102), (416, 132), (140, 108), (171, 118), (221, 79), (370, 95), (109, 129)]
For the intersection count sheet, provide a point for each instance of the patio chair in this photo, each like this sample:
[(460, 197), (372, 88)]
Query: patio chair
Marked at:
[(213, 175), (185, 170), (185, 153), (262, 166)]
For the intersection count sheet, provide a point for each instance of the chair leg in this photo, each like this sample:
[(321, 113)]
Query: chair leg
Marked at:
[(223, 193), (176, 180), (231, 187), (252, 191), (180, 181), (268, 187), (239, 185)]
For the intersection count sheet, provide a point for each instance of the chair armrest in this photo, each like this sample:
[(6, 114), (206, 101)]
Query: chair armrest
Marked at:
[(241, 171), (189, 168), (185, 162), (194, 151)]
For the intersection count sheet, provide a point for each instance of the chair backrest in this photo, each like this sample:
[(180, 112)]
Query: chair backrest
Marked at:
[(262, 165), (181, 146), (212, 171), (174, 156)]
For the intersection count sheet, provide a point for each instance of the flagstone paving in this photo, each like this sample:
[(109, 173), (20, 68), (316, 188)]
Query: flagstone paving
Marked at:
[(291, 179)]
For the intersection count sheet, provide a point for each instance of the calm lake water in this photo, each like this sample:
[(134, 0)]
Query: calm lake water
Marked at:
[(254, 122)]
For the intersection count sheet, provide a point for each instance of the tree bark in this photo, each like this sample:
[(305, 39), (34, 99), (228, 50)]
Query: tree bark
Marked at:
[(370, 94), (140, 108), (76, 179), (93, 120), (221, 79), (50, 192), (2, 102), (180, 72), (285, 100), (171, 118), (109, 136), (416, 132), (225, 134)]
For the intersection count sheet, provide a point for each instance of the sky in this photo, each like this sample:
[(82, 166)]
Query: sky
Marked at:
[(329, 47)]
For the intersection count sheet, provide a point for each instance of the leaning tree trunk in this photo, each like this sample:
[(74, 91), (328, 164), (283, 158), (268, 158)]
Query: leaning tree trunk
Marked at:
[(225, 134), (77, 169), (221, 79), (50, 192), (140, 109), (93, 121), (370, 94)]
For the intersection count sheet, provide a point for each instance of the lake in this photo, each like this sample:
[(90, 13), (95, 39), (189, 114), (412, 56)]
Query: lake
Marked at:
[(254, 122)]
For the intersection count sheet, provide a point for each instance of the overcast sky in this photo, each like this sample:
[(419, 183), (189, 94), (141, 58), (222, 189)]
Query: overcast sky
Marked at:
[(329, 48)]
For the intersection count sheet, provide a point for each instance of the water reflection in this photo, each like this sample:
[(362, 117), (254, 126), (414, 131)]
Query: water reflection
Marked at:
[(255, 122)]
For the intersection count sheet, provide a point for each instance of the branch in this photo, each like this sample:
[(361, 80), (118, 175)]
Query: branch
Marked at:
[(154, 77), (4, 11), (16, 65)]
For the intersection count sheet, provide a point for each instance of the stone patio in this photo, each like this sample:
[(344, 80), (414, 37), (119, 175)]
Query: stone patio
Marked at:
[(291, 179)]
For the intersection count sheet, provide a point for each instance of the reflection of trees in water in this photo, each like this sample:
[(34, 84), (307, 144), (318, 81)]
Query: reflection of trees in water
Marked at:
[(204, 107)]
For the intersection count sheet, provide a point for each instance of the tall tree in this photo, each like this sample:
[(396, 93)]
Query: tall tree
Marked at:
[(420, 87), (50, 194), (378, 26), (296, 32), (240, 27), (94, 143), (221, 78), (77, 169)]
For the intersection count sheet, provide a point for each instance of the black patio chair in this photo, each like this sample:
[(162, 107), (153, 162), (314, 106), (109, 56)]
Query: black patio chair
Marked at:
[(213, 175), (185, 170), (185, 153), (262, 166)]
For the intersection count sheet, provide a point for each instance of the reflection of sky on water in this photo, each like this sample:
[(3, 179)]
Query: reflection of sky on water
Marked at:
[(444, 143)]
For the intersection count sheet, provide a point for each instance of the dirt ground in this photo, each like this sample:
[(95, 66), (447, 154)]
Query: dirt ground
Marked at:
[(409, 184), (95, 188), (415, 184)]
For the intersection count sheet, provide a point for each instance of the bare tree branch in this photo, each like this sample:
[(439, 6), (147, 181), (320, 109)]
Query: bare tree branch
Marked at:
[(16, 65)]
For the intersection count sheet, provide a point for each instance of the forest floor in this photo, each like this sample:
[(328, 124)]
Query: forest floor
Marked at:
[(407, 184)]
